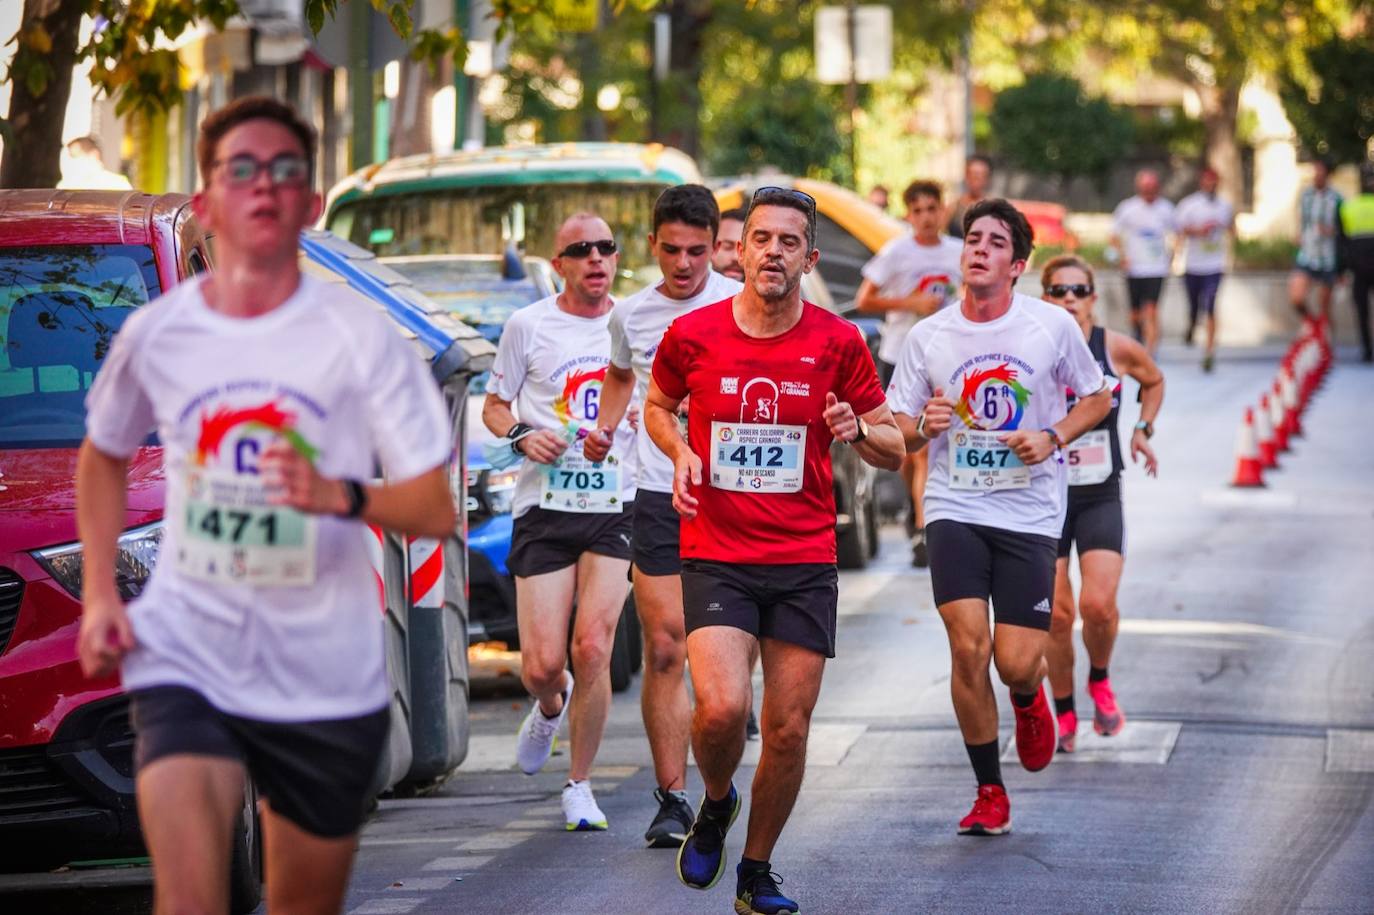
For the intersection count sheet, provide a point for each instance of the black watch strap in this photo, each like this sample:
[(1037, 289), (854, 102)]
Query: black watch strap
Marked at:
[(861, 434), (357, 498), (517, 432)]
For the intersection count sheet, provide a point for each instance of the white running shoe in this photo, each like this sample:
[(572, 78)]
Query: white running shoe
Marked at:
[(534, 743), (579, 808)]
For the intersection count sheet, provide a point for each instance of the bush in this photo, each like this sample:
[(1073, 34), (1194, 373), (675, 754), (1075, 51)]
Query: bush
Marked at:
[(1048, 126), (1265, 254)]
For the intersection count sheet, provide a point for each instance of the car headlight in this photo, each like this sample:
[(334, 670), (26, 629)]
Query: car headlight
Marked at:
[(135, 555), (498, 488)]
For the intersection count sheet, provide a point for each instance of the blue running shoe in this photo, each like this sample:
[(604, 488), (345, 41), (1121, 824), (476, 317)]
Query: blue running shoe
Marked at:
[(701, 859), (757, 893)]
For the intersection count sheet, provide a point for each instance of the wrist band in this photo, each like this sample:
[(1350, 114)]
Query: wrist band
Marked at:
[(921, 426), (357, 498), (517, 432)]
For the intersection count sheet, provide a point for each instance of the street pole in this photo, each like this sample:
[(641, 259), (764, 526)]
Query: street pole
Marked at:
[(851, 91), (360, 83)]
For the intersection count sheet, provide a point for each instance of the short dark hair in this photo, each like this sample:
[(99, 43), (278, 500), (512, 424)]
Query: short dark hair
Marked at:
[(691, 204), (979, 157), (1022, 238), (86, 145), (250, 108), (922, 188), (791, 198), (739, 214)]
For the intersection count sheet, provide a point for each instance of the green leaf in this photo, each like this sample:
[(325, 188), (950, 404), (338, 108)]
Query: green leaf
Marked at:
[(400, 20), (314, 15)]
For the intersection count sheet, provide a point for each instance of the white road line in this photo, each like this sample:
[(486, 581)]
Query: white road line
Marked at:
[(462, 863), (419, 884), (496, 841), (396, 905), (411, 840), (1140, 742), (1349, 751)]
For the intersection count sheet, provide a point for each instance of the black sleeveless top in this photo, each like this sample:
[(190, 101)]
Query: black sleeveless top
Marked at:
[(1097, 344)]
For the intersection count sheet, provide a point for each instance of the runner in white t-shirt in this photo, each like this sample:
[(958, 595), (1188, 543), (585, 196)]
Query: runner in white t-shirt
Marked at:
[(571, 538), (983, 384), (1204, 223), (256, 646), (912, 277), (1141, 226), (683, 240)]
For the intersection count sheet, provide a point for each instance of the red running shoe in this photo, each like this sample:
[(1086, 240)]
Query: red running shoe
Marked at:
[(1068, 732), (1035, 733), (991, 813), (1108, 719)]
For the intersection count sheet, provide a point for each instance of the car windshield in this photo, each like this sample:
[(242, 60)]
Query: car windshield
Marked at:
[(59, 309), (473, 290)]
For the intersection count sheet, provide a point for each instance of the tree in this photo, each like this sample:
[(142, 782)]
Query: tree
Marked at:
[(789, 127), (1048, 126), (1331, 100)]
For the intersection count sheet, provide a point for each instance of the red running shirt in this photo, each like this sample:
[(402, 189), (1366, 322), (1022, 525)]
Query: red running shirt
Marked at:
[(732, 378)]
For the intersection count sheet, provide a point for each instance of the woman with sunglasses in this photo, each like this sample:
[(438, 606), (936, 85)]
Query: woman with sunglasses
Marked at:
[(1094, 517)]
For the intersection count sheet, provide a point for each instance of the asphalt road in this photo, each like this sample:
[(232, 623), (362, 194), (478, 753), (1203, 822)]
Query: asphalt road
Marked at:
[(1242, 783)]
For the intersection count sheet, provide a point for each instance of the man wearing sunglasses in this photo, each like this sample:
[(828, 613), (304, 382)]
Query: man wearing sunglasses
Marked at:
[(770, 380), (572, 533), (255, 649), (683, 237)]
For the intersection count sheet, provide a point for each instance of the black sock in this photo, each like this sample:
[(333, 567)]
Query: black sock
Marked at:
[(718, 809), (1097, 674), (1023, 700), (1063, 705), (987, 768), (750, 865)]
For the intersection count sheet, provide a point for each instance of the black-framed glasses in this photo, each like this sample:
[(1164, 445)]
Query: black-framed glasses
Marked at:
[(287, 169), (1059, 290), (771, 193), (580, 249)]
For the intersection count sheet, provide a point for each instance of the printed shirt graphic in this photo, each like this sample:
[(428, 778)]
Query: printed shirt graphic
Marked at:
[(902, 267), (326, 372), (550, 365), (1317, 242), (1206, 254), (1144, 230), (637, 327), (1003, 375), (731, 377)]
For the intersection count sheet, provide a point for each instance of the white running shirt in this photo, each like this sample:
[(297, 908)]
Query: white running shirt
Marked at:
[(1004, 375), (637, 326), (1144, 230), (1204, 255), (326, 371), (904, 266), (550, 365)]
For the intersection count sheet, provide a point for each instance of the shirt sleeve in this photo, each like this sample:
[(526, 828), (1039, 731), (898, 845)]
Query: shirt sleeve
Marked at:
[(119, 414), (862, 389), (511, 365), (668, 372), (911, 387), (405, 410), (1119, 227), (1076, 369), (622, 357), (879, 270)]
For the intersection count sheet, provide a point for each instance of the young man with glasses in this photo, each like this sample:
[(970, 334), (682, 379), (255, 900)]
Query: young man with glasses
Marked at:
[(983, 385), (573, 516), (769, 381), (255, 647), (683, 238)]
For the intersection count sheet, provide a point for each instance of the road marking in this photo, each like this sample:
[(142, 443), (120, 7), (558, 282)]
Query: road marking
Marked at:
[(1216, 627), (496, 841), (463, 863), (1139, 743), (531, 824), (417, 884), (393, 906), (1349, 751)]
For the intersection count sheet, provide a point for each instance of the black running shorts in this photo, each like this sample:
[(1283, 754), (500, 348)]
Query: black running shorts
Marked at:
[(545, 541), (1142, 289), (317, 774), (1014, 570), (1094, 523), (795, 602), (657, 534)]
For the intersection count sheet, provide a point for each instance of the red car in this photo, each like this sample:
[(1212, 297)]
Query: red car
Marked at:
[(73, 266)]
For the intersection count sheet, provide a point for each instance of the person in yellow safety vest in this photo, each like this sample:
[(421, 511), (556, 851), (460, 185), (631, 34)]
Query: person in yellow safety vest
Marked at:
[(1355, 228)]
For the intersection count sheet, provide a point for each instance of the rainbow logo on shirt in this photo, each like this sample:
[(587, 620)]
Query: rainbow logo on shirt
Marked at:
[(216, 426), (581, 397), (992, 399), (937, 283)]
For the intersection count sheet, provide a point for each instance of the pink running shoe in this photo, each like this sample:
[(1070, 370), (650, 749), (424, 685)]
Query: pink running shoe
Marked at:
[(1108, 719), (1068, 731)]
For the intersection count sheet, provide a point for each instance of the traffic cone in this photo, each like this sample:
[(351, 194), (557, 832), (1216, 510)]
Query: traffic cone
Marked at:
[(1264, 435), (1292, 409), (1248, 470), (1276, 420)]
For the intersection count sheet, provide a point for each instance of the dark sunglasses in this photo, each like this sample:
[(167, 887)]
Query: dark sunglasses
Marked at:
[(765, 194), (580, 249), (287, 169), (1059, 290)]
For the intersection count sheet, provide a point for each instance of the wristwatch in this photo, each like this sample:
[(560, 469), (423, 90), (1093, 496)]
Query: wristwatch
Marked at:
[(861, 434), (1147, 427), (357, 498), (921, 426), (515, 434)]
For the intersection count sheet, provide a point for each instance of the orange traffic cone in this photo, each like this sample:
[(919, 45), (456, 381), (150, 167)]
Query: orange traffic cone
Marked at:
[(1248, 470), (1271, 400), (1292, 409), (1264, 435)]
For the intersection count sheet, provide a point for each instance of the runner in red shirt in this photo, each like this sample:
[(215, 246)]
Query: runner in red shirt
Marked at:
[(769, 380)]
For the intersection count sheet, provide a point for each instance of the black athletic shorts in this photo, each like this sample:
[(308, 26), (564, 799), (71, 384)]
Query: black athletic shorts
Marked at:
[(795, 602), (1202, 291), (1324, 277), (545, 541), (657, 534), (1014, 570), (1142, 289), (1094, 523), (885, 372), (317, 774)]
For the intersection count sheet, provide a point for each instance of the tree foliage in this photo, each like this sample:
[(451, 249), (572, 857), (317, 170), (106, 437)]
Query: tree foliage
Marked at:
[(790, 127), (1049, 126), (1331, 104)]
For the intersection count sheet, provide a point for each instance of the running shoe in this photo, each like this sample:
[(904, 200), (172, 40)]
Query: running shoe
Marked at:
[(757, 893), (534, 743), (991, 813), (701, 859), (1068, 732), (920, 553), (580, 813), (673, 821), (1108, 719), (751, 727), (1035, 733), (1208, 361)]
